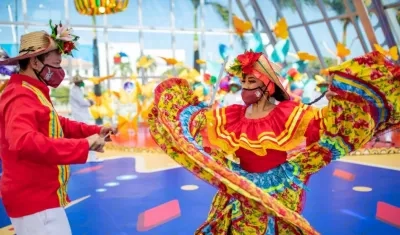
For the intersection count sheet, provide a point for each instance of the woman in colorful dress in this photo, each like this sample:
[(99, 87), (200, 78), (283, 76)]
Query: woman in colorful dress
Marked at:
[(247, 152)]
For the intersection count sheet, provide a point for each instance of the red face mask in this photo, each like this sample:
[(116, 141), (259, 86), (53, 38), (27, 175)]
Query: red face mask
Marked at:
[(252, 96), (51, 76)]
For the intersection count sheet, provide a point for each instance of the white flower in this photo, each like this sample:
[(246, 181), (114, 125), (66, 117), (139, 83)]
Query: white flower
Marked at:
[(64, 34)]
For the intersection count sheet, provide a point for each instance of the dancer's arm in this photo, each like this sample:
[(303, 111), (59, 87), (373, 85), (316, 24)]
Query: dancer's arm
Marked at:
[(23, 136), (76, 130), (315, 126)]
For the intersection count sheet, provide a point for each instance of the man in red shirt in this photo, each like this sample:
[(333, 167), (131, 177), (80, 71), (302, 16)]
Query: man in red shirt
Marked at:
[(37, 145)]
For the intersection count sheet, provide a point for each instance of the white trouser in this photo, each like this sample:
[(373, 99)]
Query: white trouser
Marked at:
[(48, 222), (92, 156)]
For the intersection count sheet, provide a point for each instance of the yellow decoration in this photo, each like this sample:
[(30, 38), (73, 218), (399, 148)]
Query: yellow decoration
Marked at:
[(191, 75), (98, 80), (341, 50), (102, 107), (95, 7), (125, 124), (306, 56), (145, 62), (393, 52), (297, 77), (324, 72), (199, 61), (169, 61), (241, 26), (281, 29)]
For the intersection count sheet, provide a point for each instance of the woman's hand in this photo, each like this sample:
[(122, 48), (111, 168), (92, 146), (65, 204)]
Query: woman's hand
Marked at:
[(329, 94)]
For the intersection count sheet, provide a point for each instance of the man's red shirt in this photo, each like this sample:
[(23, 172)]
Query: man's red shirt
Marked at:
[(37, 147)]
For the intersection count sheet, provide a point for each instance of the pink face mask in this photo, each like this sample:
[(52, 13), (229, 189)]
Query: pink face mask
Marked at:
[(52, 76), (252, 96)]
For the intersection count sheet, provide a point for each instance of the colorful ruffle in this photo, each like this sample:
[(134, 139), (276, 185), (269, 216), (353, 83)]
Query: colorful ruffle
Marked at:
[(170, 126), (283, 129), (368, 91)]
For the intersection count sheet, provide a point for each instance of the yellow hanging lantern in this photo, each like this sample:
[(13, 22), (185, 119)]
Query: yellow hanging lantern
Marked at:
[(100, 7)]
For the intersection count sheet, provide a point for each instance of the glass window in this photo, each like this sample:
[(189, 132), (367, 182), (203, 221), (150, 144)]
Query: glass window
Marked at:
[(324, 39), (311, 12), (348, 36), (157, 45), (11, 34), (302, 40), (126, 17), (238, 47), (269, 12), (377, 29), (334, 8), (211, 47), (82, 60), (216, 14), (184, 48), (43, 11), (393, 15), (11, 11), (156, 13), (290, 13), (123, 48), (185, 14), (236, 10), (363, 34), (387, 2), (76, 18)]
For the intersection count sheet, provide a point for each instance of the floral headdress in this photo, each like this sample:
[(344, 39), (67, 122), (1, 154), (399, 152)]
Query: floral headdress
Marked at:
[(244, 63), (65, 40), (257, 64)]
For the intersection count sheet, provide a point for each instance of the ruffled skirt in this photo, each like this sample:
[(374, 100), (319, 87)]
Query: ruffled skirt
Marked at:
[(368, 90)]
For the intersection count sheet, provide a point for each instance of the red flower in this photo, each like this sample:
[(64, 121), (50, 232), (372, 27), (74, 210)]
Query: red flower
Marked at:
[(247, 61), (168, 96), (68, 47), (375, 74)]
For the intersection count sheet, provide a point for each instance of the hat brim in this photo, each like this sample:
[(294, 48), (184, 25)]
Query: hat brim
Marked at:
[(322, 84), (271, 70), (15, 60)]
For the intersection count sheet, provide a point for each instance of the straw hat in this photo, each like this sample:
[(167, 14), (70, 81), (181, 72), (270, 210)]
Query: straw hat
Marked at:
[(31, 45), (77, 78), (271, 70), (40, 42), (258, 64)]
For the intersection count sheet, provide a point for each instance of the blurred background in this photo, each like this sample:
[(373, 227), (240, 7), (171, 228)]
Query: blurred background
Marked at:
[(127, 47)]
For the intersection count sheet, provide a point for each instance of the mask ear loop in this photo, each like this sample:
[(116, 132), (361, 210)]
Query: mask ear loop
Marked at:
[(38, 73), (266, 90)]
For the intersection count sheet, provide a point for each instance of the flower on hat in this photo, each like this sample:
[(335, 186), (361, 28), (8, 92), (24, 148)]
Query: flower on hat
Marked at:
[(64, 33), (244, 63), (65, 40)]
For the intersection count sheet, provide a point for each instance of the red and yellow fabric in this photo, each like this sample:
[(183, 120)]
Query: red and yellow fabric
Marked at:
[(229, 129), (366, 104), (37, 147)]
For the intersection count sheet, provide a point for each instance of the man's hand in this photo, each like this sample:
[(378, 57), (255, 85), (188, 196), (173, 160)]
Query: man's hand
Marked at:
[(96, 143), (106, 131)]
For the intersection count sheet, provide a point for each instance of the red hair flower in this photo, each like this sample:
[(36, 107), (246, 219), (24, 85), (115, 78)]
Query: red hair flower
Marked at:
[(247, 61), (68, 47)]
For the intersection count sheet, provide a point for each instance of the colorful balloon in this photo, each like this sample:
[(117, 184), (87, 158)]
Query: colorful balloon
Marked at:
[(224, 84), (213, 80)]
